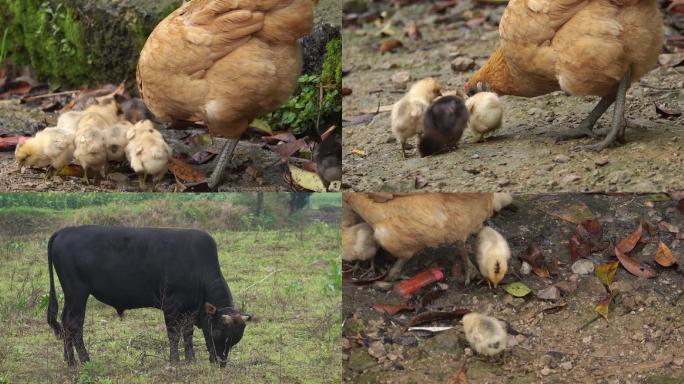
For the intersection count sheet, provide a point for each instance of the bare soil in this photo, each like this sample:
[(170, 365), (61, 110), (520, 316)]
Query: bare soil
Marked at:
[(640, 342), (521, 156)]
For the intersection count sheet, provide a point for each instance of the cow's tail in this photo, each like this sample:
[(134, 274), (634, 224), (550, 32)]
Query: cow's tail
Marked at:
[(53, 307)]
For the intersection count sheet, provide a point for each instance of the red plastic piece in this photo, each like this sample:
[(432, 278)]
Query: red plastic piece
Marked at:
[(407, 287)]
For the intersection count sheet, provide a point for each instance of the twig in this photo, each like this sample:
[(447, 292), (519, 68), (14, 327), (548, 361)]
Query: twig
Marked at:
[(31, 98), (588, 323), (258, 282)]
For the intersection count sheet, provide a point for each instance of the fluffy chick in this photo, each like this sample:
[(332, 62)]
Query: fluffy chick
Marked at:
[(485, 334), (107, 109), (142, 127), (116, 140), (493, 254), (485, 112), (443, 125), (358, 243), (328, 157), (91, 148), (69, 120), (407, 113), (148, 154), (52, 147)]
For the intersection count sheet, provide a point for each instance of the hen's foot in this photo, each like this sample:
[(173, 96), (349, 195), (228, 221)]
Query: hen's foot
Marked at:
[(585, 128), (223, 160)]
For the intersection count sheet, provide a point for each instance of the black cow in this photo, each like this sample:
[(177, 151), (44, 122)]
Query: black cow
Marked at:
[(175, 270)]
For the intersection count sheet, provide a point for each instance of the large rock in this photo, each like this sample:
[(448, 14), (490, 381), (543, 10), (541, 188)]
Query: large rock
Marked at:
[(77, 42)]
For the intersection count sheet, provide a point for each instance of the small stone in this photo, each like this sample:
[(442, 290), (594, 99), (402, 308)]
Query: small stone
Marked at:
[(586, 340), (567, 286), (678, 361), (468, 352), (462, 64), (571, 178), (401, 77), (561, 159), (525, 268), (622, 286), (566, 365), (546, 371), (549, 293), (475, 156), (638, 336), (545, 360), (601, 161), (377, 349), (582, 267), (591, 287)]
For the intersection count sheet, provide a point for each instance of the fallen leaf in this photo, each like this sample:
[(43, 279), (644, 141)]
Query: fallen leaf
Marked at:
[(459, 377), (389, 45), (606, 272), (578, 248), (306, 180), (16, 88), (633, 266), (359, 152), (71, 170), (277, 137), (669, 60), (668, 112), (602, 307), (286, 150), (392, 309), (628, 243), (534, 257), (665, 226), (431, 296), (664, 256), (412, 31), (261, 126), (575, 213), (517, 289), (184, 172), (429, 316)]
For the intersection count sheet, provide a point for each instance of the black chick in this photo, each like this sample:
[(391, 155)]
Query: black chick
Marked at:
[(443, 124)]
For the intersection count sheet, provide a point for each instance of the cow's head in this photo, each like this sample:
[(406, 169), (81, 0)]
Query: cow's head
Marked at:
[(225, 327)]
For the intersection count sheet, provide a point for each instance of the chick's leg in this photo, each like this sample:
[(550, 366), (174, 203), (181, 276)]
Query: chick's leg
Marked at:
[(617, 131), (394, 272), (584, 129), (223, 160)]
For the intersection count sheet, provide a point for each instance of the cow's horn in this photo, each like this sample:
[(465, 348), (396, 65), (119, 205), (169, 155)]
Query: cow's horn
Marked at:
[(227, 319)]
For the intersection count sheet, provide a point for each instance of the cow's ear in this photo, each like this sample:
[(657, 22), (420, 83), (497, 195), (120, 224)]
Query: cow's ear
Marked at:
[(209, 309)]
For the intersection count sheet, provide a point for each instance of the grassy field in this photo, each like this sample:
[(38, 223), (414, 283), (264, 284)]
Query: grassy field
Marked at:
[(285, 270)]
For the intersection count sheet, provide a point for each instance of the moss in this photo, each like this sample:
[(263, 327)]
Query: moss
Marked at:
[(77, 42)]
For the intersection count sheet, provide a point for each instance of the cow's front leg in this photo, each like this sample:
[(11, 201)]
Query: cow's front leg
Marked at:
[(174, 336), (187, 341)]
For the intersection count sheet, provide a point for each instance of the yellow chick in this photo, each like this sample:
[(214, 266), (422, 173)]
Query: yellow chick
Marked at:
[(501, 200), (407, 113), (52, 147), (486, 114), (106, 108), (145, 126), (358, 243), (486, 335), (148, 154), (116, 140), (493, 254), (69, 120), (91, 147)]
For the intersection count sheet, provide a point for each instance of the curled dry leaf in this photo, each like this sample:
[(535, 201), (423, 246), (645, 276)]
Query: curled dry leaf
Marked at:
[(184, 172), (389, 45), (587, 239), (534, 257), (602, 307), (633, 266), (628, 243), (664, 256), (392, 309), (412, 31)]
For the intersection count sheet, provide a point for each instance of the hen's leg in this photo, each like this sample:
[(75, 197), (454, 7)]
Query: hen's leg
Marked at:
[(617, 131), (396, 269), (470, 269), (223, 160), (584, 129)]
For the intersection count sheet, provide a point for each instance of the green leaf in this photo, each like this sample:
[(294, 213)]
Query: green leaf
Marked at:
[(517, 289), (606, 272)]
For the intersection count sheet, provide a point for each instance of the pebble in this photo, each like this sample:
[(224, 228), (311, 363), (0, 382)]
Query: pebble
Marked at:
[(582, 267), (549, 293), (546, 371), (401, 77), (462, 64), (561, 159), (601, 161), (678, 361), (570, 178), (377, 349), (567, 365), (587, 340), (525, 268), (468, 352)]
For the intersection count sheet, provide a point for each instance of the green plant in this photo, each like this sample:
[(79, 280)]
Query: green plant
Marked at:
[(3, 45), (319, 99), (334, 283)]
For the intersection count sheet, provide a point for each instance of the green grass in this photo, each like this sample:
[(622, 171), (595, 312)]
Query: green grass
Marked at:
[(288, 277)]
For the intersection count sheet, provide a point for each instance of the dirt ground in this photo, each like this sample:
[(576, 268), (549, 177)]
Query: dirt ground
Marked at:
[(641, 342), (521, 156), (265, 172)]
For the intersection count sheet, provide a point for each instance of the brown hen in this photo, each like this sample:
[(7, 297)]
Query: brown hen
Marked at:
[(583, 47), (224, 62), (404, 224)]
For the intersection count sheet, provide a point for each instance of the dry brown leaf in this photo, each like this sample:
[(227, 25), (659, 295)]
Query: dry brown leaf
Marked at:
[(664, 256), (412, 31), (633, 266), (392, 309), (534, 257), (628, 243), (184, 172), (665, 226), (389, 45), (459, 377)]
